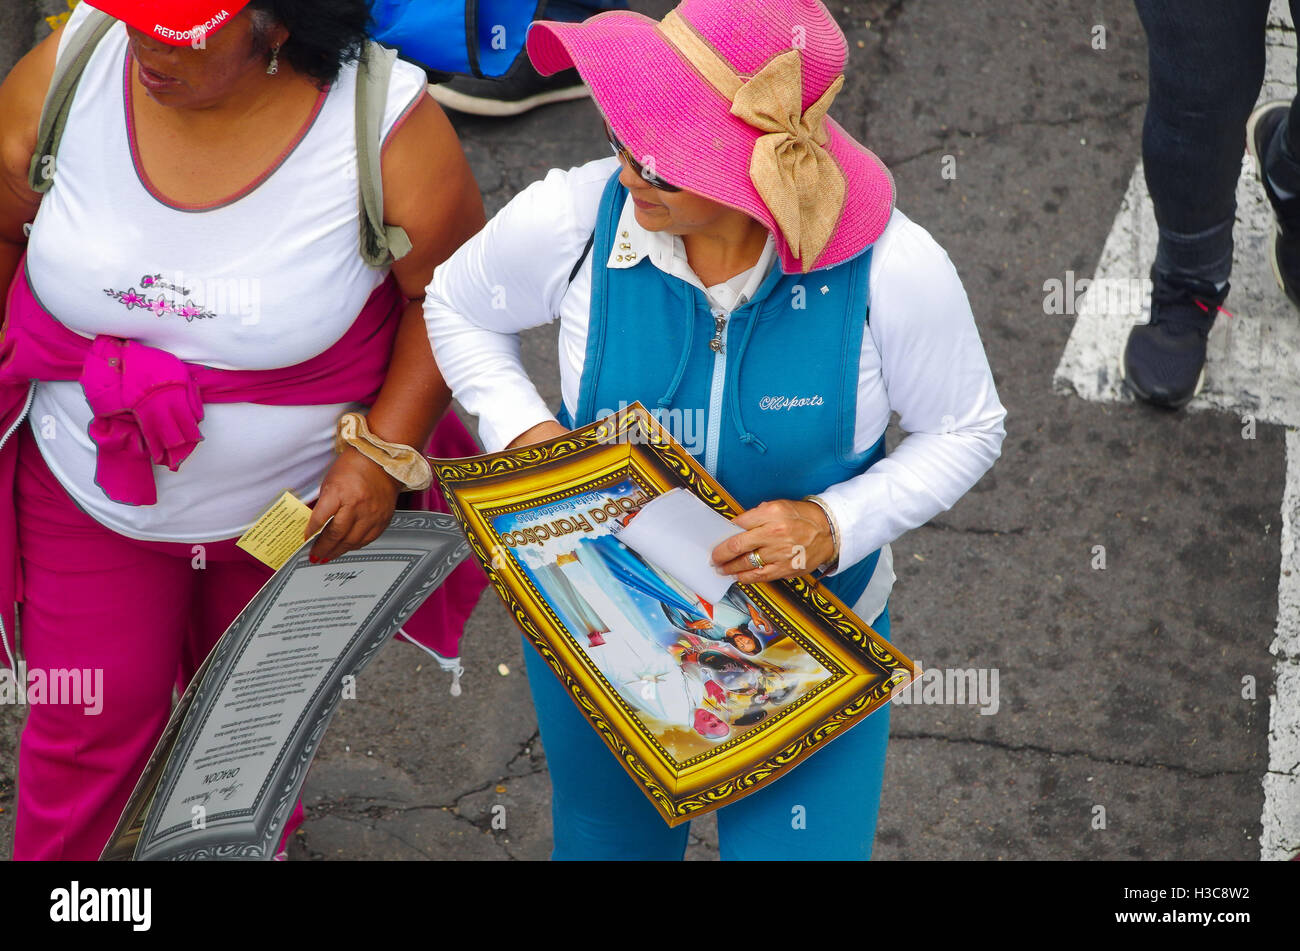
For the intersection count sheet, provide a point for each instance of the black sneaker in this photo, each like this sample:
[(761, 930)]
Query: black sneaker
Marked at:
[(1164, 361), (519, 90), (1265, 138)]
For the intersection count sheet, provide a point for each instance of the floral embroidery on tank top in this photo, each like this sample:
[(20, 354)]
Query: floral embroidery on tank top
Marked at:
[(161, 305)]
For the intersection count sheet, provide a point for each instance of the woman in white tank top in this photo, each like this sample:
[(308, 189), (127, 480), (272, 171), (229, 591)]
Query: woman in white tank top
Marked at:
[(205, 204)]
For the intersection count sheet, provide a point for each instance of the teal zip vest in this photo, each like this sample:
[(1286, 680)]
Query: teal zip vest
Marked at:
[(766, 401)]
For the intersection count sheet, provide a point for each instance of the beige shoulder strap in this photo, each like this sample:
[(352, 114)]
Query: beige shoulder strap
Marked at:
[(381, 244), (58, 101)]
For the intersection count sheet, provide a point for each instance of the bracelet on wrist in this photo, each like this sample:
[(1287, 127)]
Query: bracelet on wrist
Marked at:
[(827, 567), (404, 463)]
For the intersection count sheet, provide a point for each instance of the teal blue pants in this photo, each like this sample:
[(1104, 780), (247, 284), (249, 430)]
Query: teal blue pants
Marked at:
[(823, 809)]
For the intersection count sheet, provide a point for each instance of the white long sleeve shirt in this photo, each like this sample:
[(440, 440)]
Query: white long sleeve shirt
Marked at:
[(921, 357)]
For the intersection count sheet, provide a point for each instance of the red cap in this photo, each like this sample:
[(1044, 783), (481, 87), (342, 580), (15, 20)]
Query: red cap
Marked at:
[(174, 22)]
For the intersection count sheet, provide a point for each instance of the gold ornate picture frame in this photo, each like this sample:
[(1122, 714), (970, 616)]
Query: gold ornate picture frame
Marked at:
[(701, 702)]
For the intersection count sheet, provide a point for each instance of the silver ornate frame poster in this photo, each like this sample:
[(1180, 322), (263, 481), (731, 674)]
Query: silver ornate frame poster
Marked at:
[(231, 762)]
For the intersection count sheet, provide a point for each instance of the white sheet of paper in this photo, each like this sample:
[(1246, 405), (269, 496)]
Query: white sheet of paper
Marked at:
[(677, 533)]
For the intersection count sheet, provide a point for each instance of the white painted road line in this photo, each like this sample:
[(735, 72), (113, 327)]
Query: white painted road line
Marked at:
[(1280, 838), (1253, 368)]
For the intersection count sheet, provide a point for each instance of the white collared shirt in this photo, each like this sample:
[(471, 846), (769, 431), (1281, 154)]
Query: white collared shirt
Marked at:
[(921, 357), (667, 252)]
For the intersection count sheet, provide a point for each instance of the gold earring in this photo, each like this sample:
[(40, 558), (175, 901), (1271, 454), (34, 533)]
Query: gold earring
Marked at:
[(275, 61)]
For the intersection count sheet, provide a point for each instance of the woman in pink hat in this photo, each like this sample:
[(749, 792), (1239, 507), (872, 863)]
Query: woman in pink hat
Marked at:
[(192, 309), (740, 260)]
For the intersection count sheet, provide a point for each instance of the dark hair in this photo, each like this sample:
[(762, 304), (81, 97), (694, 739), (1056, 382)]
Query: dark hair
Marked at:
[(743, 631), (323, 34)]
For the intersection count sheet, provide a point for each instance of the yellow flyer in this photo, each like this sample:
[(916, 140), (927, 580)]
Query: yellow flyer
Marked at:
[(277, 534)]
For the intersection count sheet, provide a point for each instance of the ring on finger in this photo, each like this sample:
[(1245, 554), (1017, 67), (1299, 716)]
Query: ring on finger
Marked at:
[(755, 560)]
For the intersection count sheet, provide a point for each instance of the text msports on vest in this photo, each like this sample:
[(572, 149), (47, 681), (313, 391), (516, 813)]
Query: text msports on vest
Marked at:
[(782, 403), (77, 903), (76, 686)]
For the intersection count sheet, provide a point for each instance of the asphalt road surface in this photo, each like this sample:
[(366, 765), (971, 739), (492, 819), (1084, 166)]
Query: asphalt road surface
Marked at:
[(1133, 713)]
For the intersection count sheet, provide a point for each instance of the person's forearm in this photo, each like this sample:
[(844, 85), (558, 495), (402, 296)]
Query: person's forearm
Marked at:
[(414, 396)]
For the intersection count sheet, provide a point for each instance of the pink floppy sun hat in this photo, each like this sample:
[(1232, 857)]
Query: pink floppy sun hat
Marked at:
[(728, 99)]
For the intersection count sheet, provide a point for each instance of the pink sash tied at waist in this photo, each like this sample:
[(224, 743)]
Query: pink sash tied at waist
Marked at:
[(148, 404)]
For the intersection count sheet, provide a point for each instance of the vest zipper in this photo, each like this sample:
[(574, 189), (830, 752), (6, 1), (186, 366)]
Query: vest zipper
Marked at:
[(4, 635), (717, 344), (719, 347)]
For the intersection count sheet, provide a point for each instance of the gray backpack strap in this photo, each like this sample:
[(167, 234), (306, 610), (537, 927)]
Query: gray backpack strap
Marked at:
[(58, 101), (381, 244)]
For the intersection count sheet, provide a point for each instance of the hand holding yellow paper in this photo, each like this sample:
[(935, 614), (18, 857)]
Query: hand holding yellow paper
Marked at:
[(277, 534)]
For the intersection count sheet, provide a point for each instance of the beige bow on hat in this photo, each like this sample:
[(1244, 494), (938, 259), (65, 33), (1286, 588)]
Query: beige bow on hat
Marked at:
[(797, 178)]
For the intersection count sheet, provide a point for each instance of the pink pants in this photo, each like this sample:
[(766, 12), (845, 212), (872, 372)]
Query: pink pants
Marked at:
[(146, 615)]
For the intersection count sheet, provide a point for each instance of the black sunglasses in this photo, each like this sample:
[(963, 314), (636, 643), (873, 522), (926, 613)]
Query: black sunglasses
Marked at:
[(623, 152)]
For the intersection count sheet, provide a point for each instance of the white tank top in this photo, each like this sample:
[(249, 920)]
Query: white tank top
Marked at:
[(268, 278)]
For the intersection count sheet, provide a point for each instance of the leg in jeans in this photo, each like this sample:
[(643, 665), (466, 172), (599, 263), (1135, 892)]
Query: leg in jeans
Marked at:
[(1206, 67), (1273, 138), (1206, 61), (1293, 124)]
